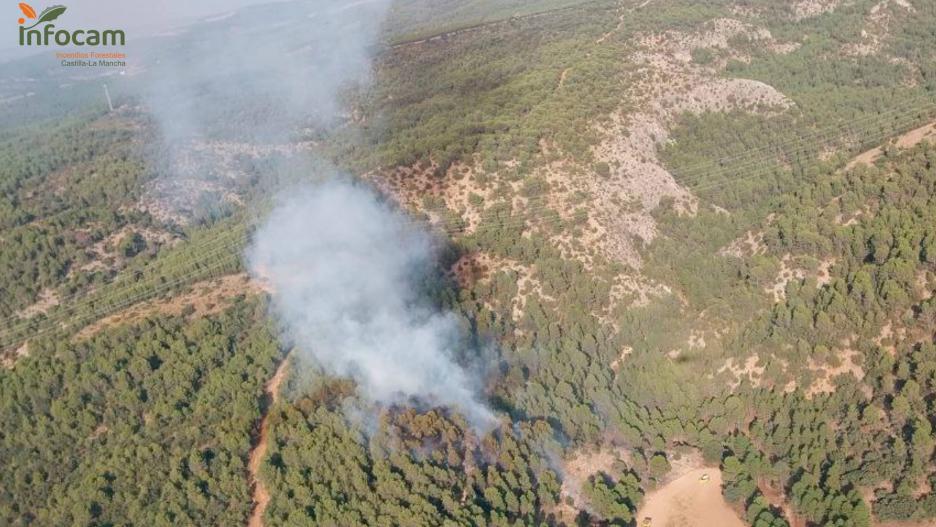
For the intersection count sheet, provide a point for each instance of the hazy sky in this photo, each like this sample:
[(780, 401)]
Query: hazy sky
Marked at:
[(138, 17)]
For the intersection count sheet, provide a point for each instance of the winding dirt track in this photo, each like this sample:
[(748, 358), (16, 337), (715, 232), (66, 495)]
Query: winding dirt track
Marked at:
[(261, 497)]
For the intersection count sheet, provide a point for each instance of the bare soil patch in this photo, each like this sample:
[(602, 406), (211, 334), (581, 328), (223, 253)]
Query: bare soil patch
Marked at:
[(825, 384), (202, 299), (752, 243), (48, 299), (750, 369), (908, 140), (667, 84), (788, 273), (811, 8), (690, 501), (8, 361), (777, 498), (576, 470)]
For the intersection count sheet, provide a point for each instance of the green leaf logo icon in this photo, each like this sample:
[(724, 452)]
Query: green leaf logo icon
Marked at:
[(49, 14)]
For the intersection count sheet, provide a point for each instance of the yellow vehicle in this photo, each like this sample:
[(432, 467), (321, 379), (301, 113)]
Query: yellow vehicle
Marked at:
[(704, 478), (646, 522)]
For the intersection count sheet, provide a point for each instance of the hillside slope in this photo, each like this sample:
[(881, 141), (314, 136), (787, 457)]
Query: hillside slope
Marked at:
[(682, 238)]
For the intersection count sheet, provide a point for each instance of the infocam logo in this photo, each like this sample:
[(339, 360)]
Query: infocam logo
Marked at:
[(47, 34)]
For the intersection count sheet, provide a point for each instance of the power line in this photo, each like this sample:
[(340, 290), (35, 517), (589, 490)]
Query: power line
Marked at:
[(221, 245), (684, 177), (214, 244), (8, 343)]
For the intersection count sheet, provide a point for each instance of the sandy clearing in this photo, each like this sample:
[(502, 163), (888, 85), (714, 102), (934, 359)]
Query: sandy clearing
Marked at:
[(690, 502)]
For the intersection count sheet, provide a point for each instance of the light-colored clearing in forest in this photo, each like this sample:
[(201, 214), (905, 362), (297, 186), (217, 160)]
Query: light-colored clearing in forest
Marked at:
[(750, 244), (826, 374), (689, 501), (907, 140), (750, 369), (810, 8), (9, 360), (576, 470), (48, 299), (877, 28), (788, 273), (618, 362), (824, 271), (666, 84), (205, 298), (261, 496)]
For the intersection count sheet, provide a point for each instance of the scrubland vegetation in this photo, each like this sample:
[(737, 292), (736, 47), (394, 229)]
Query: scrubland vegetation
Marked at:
[(784, 327)]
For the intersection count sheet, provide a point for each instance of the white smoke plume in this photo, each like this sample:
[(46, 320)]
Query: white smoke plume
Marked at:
[(345, 268), (346, 271), (262, 72), (239, 92)]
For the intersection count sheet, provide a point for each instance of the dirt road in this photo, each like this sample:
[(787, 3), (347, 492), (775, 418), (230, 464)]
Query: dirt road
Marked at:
[(261, 497)]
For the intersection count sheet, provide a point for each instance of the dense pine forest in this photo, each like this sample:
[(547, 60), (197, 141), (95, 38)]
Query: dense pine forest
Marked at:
[(677, 235)]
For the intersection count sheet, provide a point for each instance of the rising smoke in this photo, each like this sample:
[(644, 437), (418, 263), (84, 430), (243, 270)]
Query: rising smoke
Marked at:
[(346, 271), (264, 72), (345, 267)]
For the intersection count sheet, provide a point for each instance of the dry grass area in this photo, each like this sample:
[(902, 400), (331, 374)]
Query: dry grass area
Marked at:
[(752, 243), (812, 8), (889, 336), (664, 84), (924, 523), (778, 498), (463, 188), (750, 369), (202, 299), (586, 462), (47, 300), (8, 361), (824, 384), (682, 463), (616, 363), (787, 274), (824, 272), (923, 288), (690, 501), (609, 203), (636, 291)]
